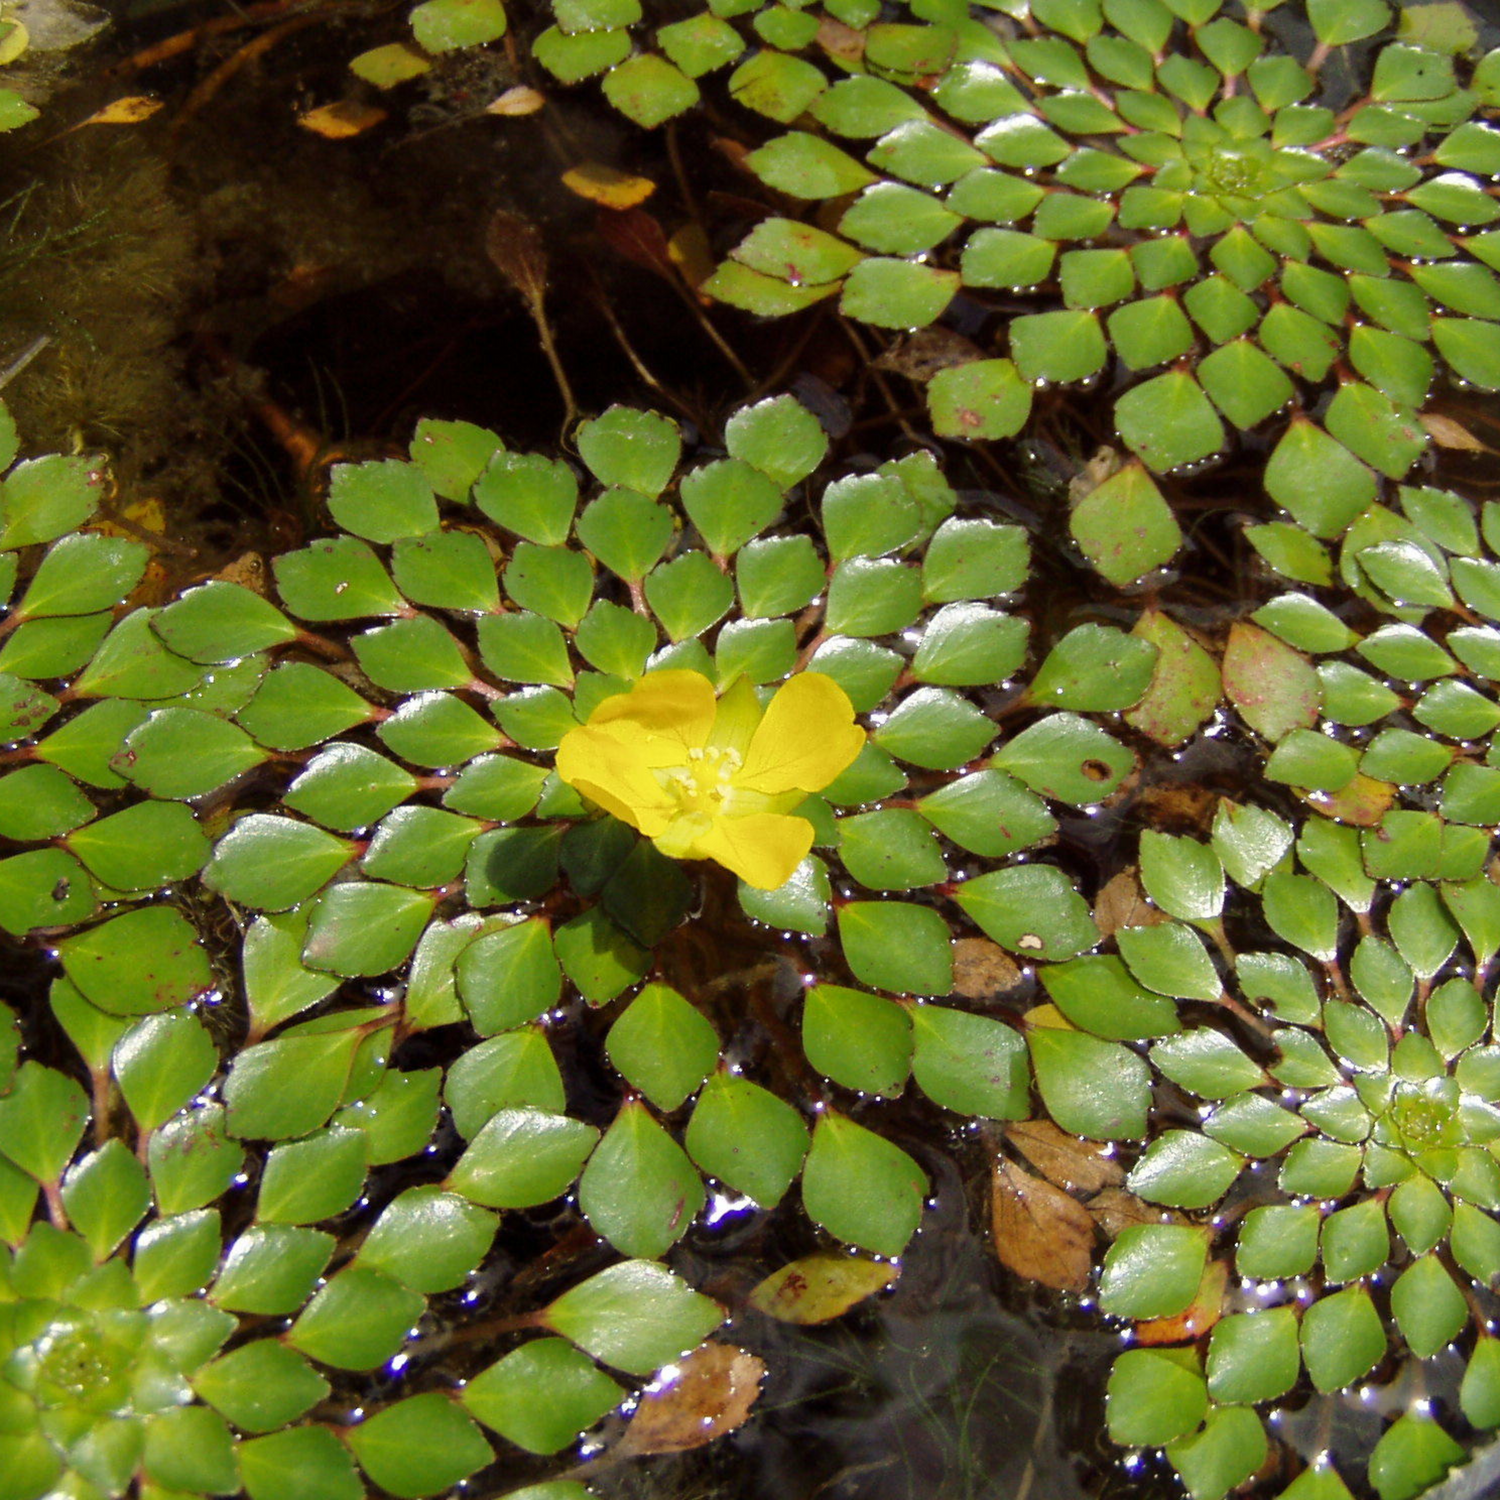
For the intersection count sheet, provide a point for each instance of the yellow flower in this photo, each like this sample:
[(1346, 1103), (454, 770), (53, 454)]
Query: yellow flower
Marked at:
[(708, 778)]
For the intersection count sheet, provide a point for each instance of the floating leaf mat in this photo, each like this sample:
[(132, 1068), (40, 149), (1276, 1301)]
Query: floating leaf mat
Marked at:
[(1250, 1052)]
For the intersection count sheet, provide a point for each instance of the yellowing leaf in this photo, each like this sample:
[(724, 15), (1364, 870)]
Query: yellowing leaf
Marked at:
[(818, 1288), (387, 66), (14, 40), (1048, 1015), (520, 100), (130, 110), (150, 514), (601, 184), (142, 520), (1447, 433), (337, 122)]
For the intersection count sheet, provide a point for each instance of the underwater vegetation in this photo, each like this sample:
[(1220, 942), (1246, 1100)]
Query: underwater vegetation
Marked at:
[(564, 853)]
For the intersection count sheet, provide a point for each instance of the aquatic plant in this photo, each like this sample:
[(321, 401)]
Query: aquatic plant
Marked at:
[(416, 827), (135, 1343), (1348, 1042), (437, 27), (1187, 201), (364, 773), (1351, 1092), (369, 769)]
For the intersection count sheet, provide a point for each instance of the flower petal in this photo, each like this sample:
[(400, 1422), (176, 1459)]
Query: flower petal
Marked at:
[(609, 769), (738, 717), (763, 849), (677, 839), (807, 737), (676, 705)]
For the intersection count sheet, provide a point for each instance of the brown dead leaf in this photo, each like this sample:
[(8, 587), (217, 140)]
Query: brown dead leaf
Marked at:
[(514, 246), (1201, 1313), (818, 1288), (639, 237), (840, 42), (928, 352), (128, 111), (1115, 1209), (982, 969), (1121, 903), (520, 100), (339, 121), (1066, 1160), (1040, 1232), (1179, 805), (303, 285), (249, 571), (601, 184), (710, 1392), (1447, 433)]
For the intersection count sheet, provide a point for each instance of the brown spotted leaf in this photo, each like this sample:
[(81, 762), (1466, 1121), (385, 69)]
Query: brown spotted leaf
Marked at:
[(1274, 687), (842, 43), (127, 111), (1184, 687), (821, 1287), (1363, 802)]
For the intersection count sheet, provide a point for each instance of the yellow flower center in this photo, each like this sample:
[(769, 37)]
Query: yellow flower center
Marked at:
[(706, 783)]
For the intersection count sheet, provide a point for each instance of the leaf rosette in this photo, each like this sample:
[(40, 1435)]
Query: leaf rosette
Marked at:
[(418, 671), (1347, 1114), (1176, 194)]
